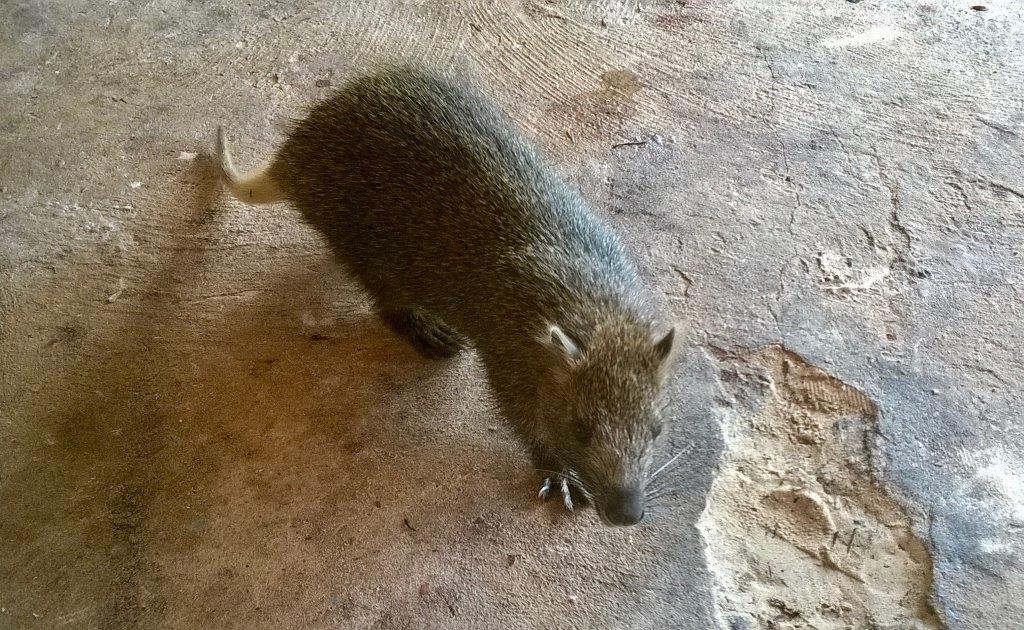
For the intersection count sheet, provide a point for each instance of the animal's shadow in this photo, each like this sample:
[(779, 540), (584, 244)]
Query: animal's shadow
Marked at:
[(249, 426), (251, 433)]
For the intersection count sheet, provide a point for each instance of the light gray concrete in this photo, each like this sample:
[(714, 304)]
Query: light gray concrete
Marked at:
[(202, 425)]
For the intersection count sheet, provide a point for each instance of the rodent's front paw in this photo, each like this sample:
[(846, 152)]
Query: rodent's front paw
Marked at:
[(557, 483)]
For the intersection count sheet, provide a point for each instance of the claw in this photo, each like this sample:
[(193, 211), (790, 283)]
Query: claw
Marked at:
[(563, 487), (566, 494), (545, 490)]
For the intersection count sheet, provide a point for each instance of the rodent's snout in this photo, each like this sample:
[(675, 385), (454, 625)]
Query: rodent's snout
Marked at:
[(624, 507)]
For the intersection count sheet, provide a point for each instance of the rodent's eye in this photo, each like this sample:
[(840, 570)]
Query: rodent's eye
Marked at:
[(583, 432)]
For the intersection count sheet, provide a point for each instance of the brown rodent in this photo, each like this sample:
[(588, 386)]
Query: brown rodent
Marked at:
[(451, 221)]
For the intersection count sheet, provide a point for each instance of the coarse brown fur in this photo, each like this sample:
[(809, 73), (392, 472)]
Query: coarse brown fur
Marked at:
[(462, 235)]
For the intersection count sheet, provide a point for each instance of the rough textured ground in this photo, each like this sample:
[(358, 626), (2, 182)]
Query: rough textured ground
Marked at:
[(201, 424), (798, 529)]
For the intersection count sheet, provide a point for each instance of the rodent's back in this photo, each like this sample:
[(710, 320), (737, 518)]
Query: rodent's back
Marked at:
[(416, 178), (450, 219)]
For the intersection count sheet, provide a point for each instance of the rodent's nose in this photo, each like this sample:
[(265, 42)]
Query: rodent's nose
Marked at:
[(625, 506)]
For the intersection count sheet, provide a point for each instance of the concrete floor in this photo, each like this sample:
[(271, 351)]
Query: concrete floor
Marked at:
[(202, 425)]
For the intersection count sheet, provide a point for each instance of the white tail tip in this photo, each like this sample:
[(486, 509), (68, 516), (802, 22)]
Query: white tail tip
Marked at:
[(253, 187)]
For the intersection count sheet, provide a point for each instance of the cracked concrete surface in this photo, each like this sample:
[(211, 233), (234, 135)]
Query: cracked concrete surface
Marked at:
[(201, 424)]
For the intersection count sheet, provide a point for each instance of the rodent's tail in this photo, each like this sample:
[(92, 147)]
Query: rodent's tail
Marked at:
[(254, 187)]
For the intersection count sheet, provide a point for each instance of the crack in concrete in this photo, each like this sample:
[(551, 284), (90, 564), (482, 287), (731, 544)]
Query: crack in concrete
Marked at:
[(901, 254), (1008, 189), (988, 122), (964, 199), (787, 176), (688, 281), (778, 298)]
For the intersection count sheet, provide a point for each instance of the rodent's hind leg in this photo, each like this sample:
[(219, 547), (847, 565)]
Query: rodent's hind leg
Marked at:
[(428, 334)]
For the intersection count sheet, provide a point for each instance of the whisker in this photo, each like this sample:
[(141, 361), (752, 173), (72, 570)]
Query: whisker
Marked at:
[(661, 491), (654, 485), (666, 465), (654, 496), (574, 477), (681, 452), (661, 499)]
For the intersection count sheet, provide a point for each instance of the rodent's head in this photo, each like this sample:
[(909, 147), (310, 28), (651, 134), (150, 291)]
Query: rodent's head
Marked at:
[(601, 403)]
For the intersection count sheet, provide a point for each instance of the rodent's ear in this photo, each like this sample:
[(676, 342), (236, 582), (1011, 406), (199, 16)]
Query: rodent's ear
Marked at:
[(561, 342), (563, 348), (663, 352)]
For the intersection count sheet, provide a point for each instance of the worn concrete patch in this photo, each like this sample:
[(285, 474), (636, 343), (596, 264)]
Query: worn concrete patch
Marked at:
[(799, 532)]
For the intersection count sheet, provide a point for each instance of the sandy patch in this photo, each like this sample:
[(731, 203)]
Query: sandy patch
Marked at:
[(799, 533)]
